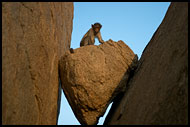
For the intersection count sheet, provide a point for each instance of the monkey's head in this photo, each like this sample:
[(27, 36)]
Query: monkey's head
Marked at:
[(96, 27)]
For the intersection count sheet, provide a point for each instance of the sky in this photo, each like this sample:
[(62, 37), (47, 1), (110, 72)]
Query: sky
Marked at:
[(132, 22)]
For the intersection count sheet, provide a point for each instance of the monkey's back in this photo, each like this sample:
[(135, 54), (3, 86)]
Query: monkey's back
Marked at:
[(87, 38)]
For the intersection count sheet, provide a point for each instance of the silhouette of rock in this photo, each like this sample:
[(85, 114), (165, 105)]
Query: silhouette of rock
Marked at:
[(158, 91)]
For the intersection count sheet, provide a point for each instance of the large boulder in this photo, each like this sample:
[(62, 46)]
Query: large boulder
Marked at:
[(34, 36), (158, 92), (93, 75)]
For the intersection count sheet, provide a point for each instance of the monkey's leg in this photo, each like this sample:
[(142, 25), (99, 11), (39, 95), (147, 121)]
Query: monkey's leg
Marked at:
[(84, 42), (91, 41)]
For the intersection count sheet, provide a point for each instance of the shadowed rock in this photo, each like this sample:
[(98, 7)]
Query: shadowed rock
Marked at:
[(93, 75), (158, 92)]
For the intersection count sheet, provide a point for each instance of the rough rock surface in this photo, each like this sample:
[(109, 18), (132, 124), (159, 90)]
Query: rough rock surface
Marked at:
[(158, 92), (34, 36), (93, 75)]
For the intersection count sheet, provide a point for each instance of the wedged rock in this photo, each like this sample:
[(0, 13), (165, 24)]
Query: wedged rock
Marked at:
[(93, 75), (34, 36), (158, 92)]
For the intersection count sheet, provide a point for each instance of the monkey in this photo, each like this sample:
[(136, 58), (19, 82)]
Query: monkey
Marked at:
[(93, 32)]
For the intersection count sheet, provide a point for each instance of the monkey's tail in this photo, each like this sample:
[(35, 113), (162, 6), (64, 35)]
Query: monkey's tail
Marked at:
[(71, 50), (81, 44)]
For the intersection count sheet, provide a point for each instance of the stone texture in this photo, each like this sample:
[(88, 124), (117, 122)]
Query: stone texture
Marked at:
[(93, 75), (158, 92), (34, 36)]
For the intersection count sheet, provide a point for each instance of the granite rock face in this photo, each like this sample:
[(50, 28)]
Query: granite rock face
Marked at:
[(158, 92), (34, 36), (93, 75)]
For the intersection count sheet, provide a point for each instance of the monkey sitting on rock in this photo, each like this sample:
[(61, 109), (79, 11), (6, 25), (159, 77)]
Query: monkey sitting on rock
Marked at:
[(89, 37)]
